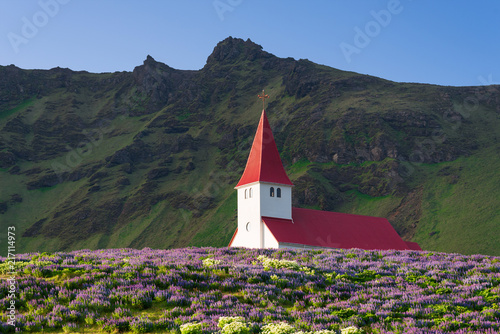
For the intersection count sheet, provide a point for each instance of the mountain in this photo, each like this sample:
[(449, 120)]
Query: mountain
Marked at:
[(150, 157)]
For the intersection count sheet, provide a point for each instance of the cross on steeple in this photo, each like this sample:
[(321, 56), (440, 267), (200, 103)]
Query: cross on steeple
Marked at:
[(264, 96)]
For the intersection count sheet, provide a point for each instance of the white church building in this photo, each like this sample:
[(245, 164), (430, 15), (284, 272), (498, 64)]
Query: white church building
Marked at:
[(266, 218)]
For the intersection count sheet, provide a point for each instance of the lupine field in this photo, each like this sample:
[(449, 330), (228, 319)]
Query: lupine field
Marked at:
[(240, 291)]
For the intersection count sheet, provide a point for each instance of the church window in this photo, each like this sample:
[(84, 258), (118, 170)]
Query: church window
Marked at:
[(278, 192), (271, 192), (246, 193), (250, 193)]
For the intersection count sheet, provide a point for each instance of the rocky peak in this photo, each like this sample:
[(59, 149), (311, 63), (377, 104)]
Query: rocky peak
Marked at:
[(231, 49), (157, 81), (151, 63), (149, 59)]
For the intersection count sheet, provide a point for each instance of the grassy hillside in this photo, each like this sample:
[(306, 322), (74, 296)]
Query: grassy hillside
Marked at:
[(150, 157)]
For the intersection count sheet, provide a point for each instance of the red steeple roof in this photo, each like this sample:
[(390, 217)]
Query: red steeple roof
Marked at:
[(264, 163)]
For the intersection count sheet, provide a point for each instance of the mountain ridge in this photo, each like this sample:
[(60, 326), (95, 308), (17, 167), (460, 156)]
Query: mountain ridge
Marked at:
[(149, 157)]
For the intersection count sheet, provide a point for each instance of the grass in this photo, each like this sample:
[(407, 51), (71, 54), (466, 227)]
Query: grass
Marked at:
[(23, 105), (36, 205), (458, 214), (299, 168), (459, 205), (362, 204), (184, 115), (125, 236), (223, 219)]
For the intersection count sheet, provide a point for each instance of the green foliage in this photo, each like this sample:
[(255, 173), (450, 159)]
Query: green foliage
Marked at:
[(351, 330), (227, 320), (33, 327), (119, 327), (121, 313), (268, 263), (344, 313), (364, 276), (235, 327), (143, 326), (443, 291), (422, 280), (70, 328), (489, 295), (7, 267), (191, 328), (210, 262), (278, 328)]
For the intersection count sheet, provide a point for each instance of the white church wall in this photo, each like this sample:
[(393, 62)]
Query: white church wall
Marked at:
[(249, 218), (286, 245), (269, 239), (254, 201), (278, 207), (237, 242)]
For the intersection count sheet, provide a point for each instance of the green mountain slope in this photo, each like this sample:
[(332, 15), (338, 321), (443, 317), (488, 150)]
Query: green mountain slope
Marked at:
[(150, 157)]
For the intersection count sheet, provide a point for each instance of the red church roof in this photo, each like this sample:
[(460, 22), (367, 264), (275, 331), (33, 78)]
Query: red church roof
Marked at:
[(413, 245), (336, 230), (264, 163)]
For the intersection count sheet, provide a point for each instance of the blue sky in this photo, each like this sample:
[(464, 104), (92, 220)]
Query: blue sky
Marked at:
[(440, 42)]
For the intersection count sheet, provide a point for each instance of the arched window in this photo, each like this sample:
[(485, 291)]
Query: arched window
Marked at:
[(246, 193), (250, 193), (271, 192), (278, 192)]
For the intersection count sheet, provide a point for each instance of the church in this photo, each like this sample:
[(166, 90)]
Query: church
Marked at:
[(266, 218)]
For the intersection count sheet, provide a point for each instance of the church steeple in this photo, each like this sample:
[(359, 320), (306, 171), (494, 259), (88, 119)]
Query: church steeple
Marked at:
[(264, 162), (264, 190)]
